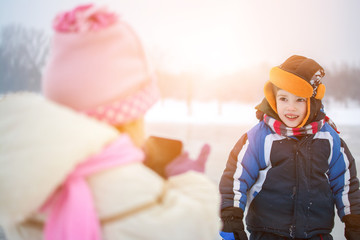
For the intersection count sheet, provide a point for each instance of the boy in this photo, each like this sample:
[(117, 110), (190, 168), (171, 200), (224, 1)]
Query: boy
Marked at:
[(292, 167)]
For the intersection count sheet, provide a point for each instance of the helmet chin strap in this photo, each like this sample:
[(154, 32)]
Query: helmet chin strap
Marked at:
[(307, 113)]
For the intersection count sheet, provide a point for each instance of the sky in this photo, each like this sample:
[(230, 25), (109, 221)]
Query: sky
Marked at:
[(222, 36)]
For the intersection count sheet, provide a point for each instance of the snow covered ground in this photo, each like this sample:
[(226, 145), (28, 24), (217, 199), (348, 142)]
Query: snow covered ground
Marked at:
[(205, 125), (237, 113)]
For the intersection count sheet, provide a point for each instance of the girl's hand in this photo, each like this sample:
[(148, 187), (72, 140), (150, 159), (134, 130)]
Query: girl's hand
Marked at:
[(183, 163)]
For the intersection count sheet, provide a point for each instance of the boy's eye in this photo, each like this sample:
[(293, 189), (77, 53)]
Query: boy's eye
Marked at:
[(282, 98), (301, 100)]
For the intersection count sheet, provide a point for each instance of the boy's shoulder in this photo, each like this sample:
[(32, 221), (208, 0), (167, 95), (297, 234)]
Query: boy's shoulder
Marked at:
[(329, 129), (259, 128), (258, 133), (329, 133)]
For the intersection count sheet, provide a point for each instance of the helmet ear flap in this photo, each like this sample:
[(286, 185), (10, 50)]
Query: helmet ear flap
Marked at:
[(269, 95), (320, 91)]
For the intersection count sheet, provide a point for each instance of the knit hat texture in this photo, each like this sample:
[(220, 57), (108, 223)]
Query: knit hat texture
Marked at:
[(98, 66), (298, 75)]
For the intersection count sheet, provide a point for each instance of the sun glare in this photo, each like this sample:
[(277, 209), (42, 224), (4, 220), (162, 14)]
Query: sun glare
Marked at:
[(212, 52)]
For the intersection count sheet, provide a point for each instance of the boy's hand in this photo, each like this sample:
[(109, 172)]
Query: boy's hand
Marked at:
[(233, 227), (183, 163), (233, 235), (352, 226)]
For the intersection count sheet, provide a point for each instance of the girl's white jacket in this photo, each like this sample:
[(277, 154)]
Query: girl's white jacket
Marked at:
[(41, 142)]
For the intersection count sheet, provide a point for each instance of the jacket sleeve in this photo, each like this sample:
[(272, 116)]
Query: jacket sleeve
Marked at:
[(343, 180), (241, 172), (193, 201)]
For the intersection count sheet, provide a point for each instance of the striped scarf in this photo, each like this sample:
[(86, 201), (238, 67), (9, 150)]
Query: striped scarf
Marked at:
[(281, 129)]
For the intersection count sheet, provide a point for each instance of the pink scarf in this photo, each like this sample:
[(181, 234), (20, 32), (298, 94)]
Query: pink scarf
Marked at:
[(71, 211)]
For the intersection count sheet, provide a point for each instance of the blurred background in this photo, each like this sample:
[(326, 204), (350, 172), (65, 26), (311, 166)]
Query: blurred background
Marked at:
[(212, 59), (202, 49)]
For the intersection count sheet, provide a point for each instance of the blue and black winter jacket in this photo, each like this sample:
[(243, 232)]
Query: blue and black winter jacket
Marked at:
[(291, 185)]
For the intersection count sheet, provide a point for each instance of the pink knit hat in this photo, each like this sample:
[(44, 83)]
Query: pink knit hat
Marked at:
[(98, 66)]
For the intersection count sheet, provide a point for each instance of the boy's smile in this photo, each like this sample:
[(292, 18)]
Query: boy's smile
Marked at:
[(291, 108)]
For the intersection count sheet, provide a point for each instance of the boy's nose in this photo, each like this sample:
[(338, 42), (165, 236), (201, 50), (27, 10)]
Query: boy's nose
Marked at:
[(291, 107)]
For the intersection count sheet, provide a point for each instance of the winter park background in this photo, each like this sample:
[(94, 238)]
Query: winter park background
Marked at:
[(210, 79)]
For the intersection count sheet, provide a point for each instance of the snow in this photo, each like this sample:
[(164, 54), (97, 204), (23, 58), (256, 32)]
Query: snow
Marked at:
[(343, 113), (174, 111), (171, 118)]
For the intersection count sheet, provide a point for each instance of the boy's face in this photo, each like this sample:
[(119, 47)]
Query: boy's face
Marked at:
[(291, 109)]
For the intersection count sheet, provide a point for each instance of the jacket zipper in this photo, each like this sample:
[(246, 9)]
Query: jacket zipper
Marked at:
[(292, 229)]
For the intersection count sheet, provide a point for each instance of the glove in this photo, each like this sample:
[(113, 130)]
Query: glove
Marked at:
[(183, 163), (233, 227), (160, 152), (352, 226)]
